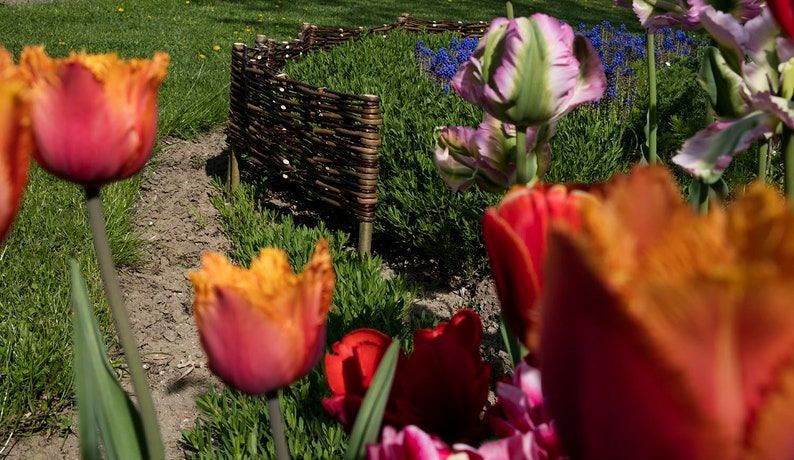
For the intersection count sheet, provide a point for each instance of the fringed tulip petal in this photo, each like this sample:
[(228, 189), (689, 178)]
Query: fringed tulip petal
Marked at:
[(618, 373), (683, 326), (264, 327), (16, 144)]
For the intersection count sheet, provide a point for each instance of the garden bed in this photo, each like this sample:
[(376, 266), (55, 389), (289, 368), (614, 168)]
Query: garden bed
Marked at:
[(325, 141)]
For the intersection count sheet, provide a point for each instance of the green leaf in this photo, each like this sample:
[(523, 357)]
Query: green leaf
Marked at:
[(105, 410), (370, 416), (722, 84), (514, 348)]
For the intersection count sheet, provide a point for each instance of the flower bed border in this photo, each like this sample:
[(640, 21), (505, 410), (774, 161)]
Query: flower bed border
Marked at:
[(326, 141)]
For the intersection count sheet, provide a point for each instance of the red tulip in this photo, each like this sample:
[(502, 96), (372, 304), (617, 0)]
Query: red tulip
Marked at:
[(783, 11), (444, 384), (349, 371), (515, 235), (441, 387), (264, 327), (15, 140), (666, 334), (94, 117)]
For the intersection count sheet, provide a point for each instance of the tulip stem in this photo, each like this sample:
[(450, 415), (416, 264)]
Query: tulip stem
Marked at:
[(763, 156), (653, 122), (277, 425), (110, 280), (526, 162), (788, 164)]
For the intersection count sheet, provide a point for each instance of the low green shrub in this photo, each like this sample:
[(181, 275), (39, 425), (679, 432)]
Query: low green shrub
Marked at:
[(415, 207)]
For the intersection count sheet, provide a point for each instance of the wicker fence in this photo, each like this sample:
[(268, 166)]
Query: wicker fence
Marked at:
[(324, 140)]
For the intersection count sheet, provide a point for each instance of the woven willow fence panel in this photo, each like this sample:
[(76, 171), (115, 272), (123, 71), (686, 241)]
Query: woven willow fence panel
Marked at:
[(325, 141)]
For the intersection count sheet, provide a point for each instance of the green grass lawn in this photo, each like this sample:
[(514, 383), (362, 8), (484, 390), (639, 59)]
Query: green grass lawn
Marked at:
[(35, 350)]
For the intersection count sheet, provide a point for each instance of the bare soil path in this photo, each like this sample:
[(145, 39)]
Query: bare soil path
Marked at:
[(176, 219)]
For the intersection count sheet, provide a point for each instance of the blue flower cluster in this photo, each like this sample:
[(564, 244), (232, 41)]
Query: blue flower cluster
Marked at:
[(440, 66), (621, 52)]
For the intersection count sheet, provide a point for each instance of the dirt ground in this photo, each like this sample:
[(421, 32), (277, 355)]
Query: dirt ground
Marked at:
[(175, 216)]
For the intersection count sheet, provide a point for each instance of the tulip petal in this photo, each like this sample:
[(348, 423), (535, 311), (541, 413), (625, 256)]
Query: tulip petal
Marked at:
[(591, 81), (784, 15), (16, 144), (710, 151), (357, 355), (236, 349), (606, 370), (517, 280)]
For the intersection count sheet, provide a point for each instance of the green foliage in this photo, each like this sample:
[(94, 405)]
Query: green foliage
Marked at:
[(682, 107), (35, 337), (415, 207), (588, 146)]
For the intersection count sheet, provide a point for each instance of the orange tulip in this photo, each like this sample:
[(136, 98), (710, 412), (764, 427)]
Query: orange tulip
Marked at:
[(666, 334), (94, 117), (264, 327), (15, 140)]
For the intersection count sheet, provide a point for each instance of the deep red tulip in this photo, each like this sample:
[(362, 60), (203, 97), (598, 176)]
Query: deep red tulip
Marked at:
[(444, 384), (264, 327), (441, 387), (94, 117), (349, 371), (783, 11), (15, 140), (667, 334), (515, 235)]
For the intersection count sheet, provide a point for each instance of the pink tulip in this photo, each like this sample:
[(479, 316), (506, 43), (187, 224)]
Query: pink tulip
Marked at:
[(94, 117), (264, 327), (531, 71)]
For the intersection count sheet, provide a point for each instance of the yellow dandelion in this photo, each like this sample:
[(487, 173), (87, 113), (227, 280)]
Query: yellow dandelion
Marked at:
[(187, 2), (61, 43), (216, 48), (120, 10), (202, 56)]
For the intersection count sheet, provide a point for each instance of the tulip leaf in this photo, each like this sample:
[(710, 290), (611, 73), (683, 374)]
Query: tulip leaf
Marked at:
[(105, 410), (514, 348), (370, 416)]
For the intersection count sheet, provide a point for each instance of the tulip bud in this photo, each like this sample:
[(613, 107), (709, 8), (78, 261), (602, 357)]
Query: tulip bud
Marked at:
[(487, 155), (531, 71)]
